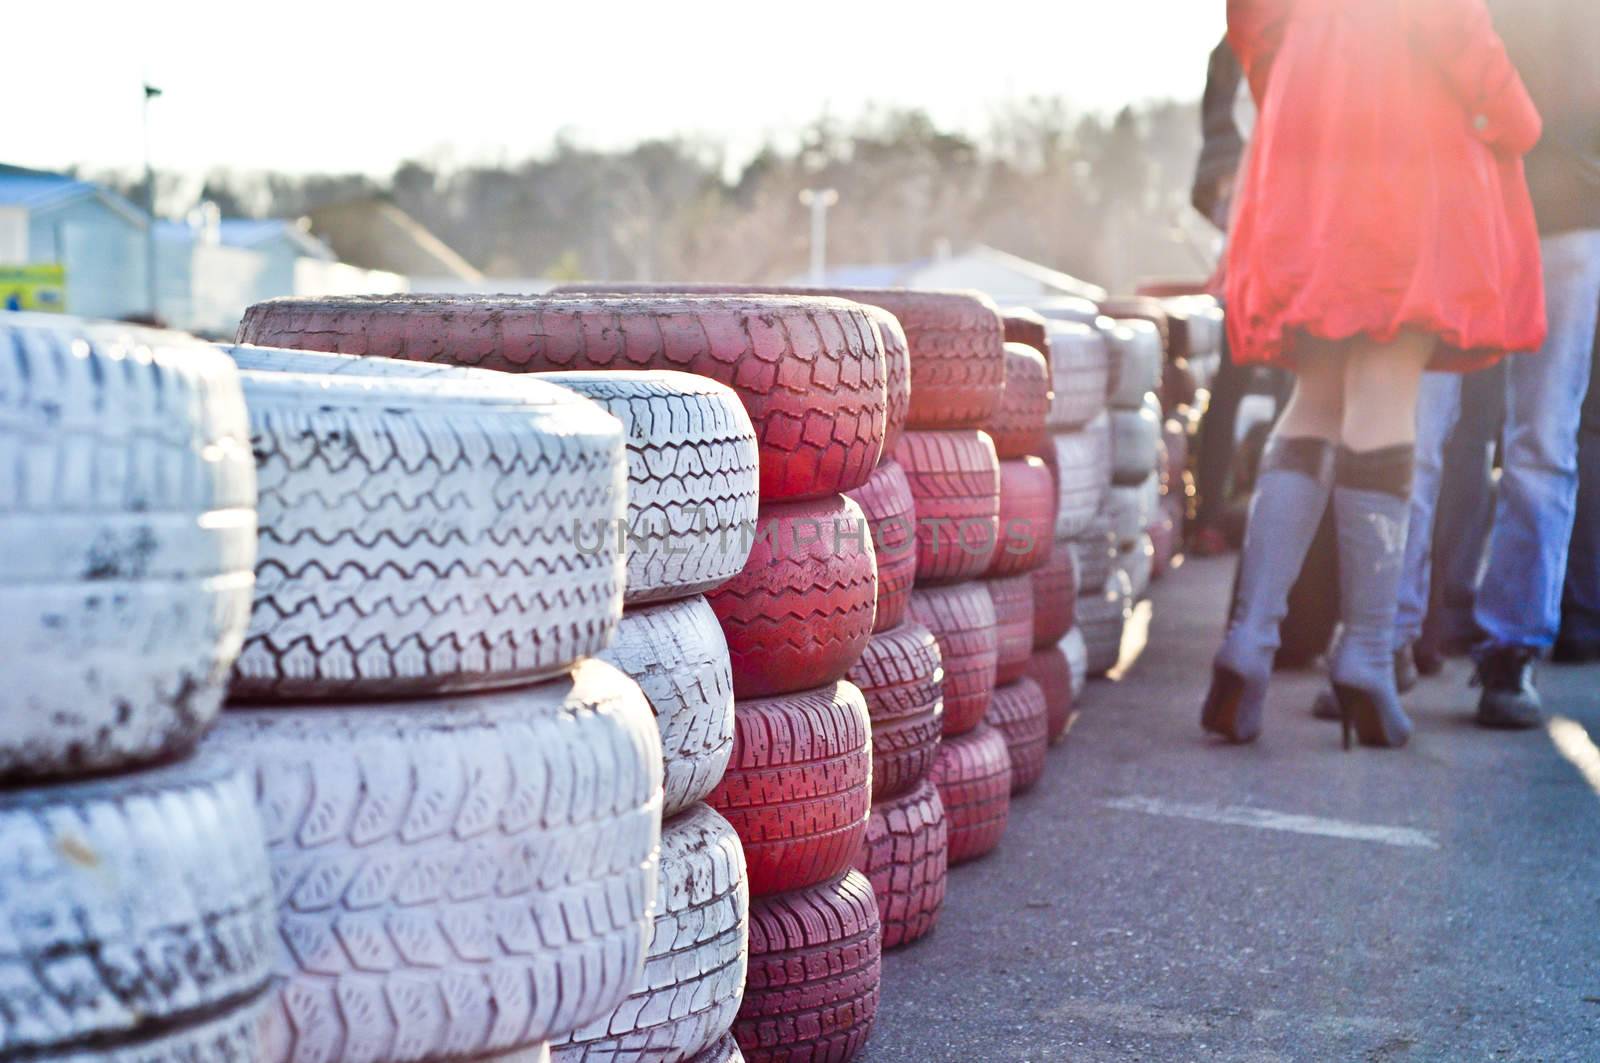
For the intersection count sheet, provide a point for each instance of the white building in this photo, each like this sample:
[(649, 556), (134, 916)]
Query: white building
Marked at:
[(49, 218), (208, 269)]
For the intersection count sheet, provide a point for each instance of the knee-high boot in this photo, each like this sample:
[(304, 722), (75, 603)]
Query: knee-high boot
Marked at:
[(1291, 496), (1371, 505)]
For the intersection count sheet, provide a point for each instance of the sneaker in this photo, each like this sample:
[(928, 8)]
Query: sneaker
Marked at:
[(1509, 700)]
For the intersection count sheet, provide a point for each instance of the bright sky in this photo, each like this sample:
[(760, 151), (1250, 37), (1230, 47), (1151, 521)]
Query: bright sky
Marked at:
[(337, 85)]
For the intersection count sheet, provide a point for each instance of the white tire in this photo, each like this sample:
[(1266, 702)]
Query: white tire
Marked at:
[(692, 477), (1134, 508), (421, 535), (1077, 654), (677, 654), (1135, 445), (127, 542), (1101, 618), (1095, 551), (1137, 562), (1136, 350), (694, 970), (456, 877), (1082, 461), (136, 917), (1080, 366)]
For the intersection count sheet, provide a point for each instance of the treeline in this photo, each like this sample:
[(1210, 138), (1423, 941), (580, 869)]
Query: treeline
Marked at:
[(1103, 198)]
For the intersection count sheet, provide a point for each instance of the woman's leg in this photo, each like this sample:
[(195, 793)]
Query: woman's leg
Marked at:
[(1371, 503), (1291, 495)]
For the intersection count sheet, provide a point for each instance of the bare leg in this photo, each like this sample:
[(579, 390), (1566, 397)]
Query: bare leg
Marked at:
[(1371, 503), (1316, 409)]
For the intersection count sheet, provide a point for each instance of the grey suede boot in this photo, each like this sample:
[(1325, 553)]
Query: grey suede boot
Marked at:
[(1371, 505), (1291, 495)]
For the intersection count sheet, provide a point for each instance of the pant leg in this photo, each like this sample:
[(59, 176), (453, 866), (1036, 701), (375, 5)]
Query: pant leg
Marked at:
[(1520, 601), (1437, 407), (1580, 604), (1214, 448), (1465, 510)]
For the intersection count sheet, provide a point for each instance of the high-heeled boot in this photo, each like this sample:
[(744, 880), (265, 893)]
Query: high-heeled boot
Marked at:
[(1371, 503), (1291, 494)]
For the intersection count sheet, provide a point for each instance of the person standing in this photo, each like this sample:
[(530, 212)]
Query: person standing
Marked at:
[(1556, 43), (1383, 226), (1579, 639)]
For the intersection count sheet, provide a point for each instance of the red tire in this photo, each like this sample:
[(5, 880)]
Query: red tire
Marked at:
[(955, 480), (798, 786), (892, 515), (1022, 716), (1051, 669), (962, 621), (1017, 426), (973, 774), (1027, 517), (1055, 596), (1013, 625), (811, 373), (897, 375), (957, 353), (899, 675), (800, 612), (1025, 326), (907, 858), (955, 339), (816, 958)]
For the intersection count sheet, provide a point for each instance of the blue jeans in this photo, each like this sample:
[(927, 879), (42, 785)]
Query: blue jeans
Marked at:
[(1580, 602), (1519, 603), (1459, 419)]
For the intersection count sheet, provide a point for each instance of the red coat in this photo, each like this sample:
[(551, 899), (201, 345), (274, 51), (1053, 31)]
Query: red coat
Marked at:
[(1383, 186)]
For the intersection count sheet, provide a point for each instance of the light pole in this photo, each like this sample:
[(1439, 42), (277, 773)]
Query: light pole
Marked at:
[(819, 200), (150, 93)]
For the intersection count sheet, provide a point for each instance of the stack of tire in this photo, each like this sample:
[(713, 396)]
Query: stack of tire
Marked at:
[(933, 505), (1057, 642), (135, 895), (1136, 442), (958, 363), (1081, 372), (462, 806), (811, 375), (1022, 709)]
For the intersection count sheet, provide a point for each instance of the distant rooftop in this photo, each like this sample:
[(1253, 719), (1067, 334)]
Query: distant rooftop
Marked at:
[(42, 189)]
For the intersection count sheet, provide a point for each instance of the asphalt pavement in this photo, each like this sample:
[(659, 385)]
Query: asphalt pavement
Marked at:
[(1162, 896)]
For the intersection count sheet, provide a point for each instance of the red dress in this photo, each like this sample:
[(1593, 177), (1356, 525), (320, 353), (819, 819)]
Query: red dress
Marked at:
[(1383, 186)]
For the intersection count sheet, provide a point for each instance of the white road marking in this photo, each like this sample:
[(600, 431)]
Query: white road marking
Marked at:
[(1266, 819), (1574, 743)]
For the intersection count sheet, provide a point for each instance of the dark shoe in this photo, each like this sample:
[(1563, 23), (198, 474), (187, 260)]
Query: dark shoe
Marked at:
[(1570, 649), (1405, 669), (1291, 496), (1427, 658), (1509, 702), (1371, 504)]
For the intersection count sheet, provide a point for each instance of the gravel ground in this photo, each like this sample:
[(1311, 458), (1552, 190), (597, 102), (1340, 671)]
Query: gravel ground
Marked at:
[(1162, 896)]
